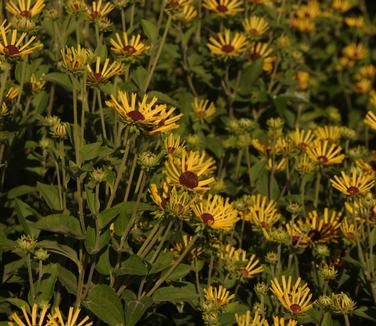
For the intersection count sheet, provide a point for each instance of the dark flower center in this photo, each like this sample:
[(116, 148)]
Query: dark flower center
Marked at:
[(11, 49), (255, 56), (97, 75), (136, 115), (243, 271), (25, 13), (207, 219), (227, 48), (353, 190), (129, 49), (171, 150), (165, 202), (188, 179), (95, 14), (221, 8), (254, 31), (303, 146), (323, 159), (295, 308)]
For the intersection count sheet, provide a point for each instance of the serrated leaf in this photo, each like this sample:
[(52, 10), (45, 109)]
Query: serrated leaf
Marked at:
[(61, 223), (105, 304)]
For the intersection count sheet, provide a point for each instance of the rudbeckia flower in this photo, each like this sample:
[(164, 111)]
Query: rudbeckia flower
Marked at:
[(329, 133), (294, 298), (190, 171), (203, 109), (247, 320), (255, 26), (323, 153), (148, 116), (224, 7), (301, 138), (227, 44), (216, 212), (173, 144), (75, 59), (25, 8), (280, 321), (342, 5), (72, 319), (97, 11), (30, 319), (370, 120), (104, 73), (355, 184), (355, 51), (12, 47), (218, 295), (128, 48), (259, 50)]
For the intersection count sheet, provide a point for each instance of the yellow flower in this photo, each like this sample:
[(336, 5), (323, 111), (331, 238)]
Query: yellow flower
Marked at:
[(355, 51), (280, 321), (128, 48), (218, 295), (24, 8), (97, 12), (180, 246), (12, 93), (302, 25), (236, 261), (269, 148), (349, 229), (255, 26), (148, 116), (215, 212), (173, 144), (321, 229), (363, 211), (186, 14), (294, 298), (259, 50), (224, 7), (341, 5), (75, 59), (227, 45), (301, 138), (13, 48), (177, 4), (303, 164), (75, 7), (366, 72), (247, 320), (358, 183), (370, 120), (363, 86), (104, 73), (278, 165), (5, 26), (323, 153), (261, 212), (302, 78), (330, 133), (190, 171), (203, 109), (355, 22), (72, 319), (37, 83), (30, 319)]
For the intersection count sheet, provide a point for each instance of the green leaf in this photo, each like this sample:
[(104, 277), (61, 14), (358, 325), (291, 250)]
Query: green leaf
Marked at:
[(50, 194), (67, 279), (180, 272), (164, 260), (176, 294), (94, 245), (249, 76), (20, 191), (59, 78), (89, 152), (60, 249), (105, 304), (103, 265), (23, 210), (47, 284), (327, 320), (61, 223), (150, 29), (135, 309), (5, 243), (361, 312), (139, 76), (134, 265)]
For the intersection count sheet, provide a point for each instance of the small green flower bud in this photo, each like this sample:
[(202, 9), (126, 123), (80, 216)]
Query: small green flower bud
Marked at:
[(41, 254), (327, 272), (26, 242), (148, 160), (322, 250), (272, 257), (261, 288)]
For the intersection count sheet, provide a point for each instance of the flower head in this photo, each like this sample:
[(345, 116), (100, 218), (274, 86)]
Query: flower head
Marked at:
[(102, 74), (260, 50), (355, 184), (191, 171), (203, 109), (216, 212), (146, 115), (294, 298), (323, 153), (224, 7), (98, 11), (227, 45), (72, 320), (370, 120), (11, 47), (30, 318), (75, 59), (247, 320), (342, 303), (219, 296), (255, 26), (25, 8), (128, 48)]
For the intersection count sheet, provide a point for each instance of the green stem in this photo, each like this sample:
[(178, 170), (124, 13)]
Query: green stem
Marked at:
[(30, 273), (317, 189), (173, 267), (101, 112), (347, 321), (157, 55)]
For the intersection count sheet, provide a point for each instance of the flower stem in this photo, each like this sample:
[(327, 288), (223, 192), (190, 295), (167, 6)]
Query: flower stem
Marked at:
[(30, 273)]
